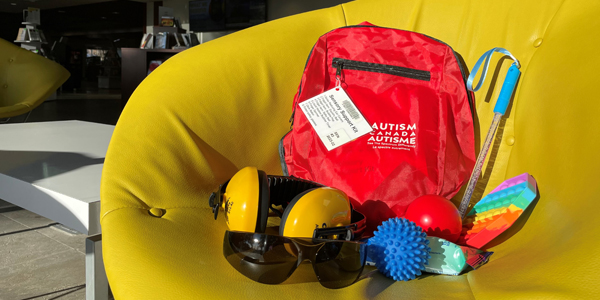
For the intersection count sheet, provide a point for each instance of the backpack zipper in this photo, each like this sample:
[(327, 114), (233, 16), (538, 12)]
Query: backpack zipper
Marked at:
[(341, 63), (458, 61)]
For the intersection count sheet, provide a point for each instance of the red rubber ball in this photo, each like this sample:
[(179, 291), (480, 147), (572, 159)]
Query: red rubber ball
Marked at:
[(437, 216)]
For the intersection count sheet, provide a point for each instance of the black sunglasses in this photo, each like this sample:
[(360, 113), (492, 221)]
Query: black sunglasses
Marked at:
[(272, 259)]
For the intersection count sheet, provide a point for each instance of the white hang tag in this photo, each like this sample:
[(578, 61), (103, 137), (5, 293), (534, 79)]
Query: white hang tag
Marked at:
[(335, 118)]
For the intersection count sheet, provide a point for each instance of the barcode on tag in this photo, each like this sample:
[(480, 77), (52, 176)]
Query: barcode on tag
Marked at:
[(351, 109)]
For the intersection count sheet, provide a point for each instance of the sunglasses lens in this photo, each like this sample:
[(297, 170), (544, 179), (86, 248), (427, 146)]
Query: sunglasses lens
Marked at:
[(260, 257), (339, 264)]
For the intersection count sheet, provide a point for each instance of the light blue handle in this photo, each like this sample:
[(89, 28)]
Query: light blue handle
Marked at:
[(508, 87), (486, 57)]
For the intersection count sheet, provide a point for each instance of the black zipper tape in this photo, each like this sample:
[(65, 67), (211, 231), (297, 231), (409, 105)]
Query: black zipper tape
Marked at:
[(463, 68), (347, 64)]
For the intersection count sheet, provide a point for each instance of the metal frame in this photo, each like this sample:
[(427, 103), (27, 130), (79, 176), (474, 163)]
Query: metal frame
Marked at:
[(96, 282)]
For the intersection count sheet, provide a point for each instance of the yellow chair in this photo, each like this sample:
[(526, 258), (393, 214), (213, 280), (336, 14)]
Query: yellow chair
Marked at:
[(26, 79), (224, 105)]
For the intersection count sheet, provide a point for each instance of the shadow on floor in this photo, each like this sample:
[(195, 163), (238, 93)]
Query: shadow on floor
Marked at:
[(105, 111), (31, 166), (67, 290)]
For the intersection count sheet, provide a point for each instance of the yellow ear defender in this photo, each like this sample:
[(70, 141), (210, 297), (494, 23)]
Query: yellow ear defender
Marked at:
[(315, 208), (309, 209)]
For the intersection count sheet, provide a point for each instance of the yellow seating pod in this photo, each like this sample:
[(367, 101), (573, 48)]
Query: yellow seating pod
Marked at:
[(26, 79), (224, 105)]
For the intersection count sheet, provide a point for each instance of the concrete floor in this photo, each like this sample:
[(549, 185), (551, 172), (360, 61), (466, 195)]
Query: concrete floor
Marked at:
[(37, 259)]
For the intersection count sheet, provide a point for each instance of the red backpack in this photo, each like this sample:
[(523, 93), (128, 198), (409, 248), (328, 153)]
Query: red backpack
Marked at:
[(411, 90)]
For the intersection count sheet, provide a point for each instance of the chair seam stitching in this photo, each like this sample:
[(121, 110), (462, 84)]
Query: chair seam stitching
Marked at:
[(470, 287), (143, 208), (344, 14), (553, 17), (112, 210), (517, 92)]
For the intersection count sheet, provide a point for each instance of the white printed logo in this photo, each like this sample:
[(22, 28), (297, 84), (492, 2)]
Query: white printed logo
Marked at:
[(393, 136)]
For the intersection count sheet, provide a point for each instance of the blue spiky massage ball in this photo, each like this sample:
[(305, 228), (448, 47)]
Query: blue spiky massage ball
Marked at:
[(399, 249)]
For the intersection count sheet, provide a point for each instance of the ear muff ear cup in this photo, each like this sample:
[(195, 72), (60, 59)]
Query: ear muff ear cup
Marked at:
[(288, 210), (315, 208), (247, 201)]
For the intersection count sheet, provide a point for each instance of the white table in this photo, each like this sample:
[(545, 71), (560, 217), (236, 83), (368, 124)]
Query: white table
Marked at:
[(53, 169)]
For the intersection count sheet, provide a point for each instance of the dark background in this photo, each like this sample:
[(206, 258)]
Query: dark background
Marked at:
[(102, 26)]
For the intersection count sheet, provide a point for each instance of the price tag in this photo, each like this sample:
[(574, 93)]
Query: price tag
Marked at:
[(335, 118)]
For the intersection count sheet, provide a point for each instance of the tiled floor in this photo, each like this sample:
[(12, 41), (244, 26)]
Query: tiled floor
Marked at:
[(37, 259)]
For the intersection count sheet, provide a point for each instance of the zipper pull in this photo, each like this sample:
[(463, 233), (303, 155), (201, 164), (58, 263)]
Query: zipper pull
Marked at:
[(338, 75)]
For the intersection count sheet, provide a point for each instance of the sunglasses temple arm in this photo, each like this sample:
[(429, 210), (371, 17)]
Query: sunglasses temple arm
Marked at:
[(343, 231)]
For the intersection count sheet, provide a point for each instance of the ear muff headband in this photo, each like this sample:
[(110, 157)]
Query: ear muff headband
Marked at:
[(277, 190), (263, 202), (283, 189)]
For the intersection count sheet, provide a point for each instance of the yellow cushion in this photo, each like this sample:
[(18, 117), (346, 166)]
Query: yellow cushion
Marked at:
[(26, 79), (224, 105)]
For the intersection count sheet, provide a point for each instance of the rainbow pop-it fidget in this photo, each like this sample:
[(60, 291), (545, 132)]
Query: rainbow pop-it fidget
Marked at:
[(498, 210)]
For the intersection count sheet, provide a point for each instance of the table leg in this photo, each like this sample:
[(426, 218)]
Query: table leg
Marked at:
[(96, 283)]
